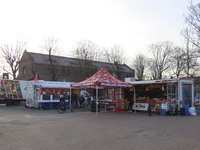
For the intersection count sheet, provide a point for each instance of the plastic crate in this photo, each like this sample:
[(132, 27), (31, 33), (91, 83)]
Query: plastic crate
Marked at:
[(163, 112)]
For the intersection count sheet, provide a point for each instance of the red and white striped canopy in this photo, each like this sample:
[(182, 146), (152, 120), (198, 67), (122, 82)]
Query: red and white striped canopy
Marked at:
[(102, 79)]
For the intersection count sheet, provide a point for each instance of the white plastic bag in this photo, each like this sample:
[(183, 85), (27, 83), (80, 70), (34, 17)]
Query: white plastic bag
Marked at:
[(192, 111)]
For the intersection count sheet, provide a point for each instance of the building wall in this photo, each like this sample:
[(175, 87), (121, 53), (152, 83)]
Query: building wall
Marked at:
[(72, 76), (127, 74), (71, 73), (26, 62)]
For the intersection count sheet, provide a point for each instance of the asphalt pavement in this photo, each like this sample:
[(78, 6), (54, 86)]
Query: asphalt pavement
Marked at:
[(31, 129)]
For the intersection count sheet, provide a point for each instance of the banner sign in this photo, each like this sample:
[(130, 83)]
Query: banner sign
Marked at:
[(116, 84), (50, 84), (140, 106), (164, 106)]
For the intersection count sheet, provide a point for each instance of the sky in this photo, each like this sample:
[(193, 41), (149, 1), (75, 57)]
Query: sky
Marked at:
[(132, 24)]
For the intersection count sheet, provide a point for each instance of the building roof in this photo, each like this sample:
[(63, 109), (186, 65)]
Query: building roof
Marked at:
[(69, 61)]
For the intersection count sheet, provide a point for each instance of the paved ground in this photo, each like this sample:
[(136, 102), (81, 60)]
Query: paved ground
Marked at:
[(30, 129)]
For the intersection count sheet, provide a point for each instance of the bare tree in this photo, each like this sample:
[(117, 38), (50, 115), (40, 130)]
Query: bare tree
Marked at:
[(160, 58), (51, 47), (179, 63), (12, 56), (86, 53), (193, 21), (190, 55), (153, 69), (139, 64), (87, 49), (116, 56)]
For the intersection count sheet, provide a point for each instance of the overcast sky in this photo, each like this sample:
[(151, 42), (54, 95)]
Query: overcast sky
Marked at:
[(133, 24)]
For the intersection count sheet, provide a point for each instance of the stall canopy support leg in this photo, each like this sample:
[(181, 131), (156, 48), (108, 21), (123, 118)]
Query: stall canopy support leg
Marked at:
[(134, 99)]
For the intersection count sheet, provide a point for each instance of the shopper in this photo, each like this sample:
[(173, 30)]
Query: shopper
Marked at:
[(62, 98), (81, 100), (130, 100), (89, 100), (66, 95)]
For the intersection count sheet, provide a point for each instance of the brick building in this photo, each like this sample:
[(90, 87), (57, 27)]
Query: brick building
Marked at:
[(68, 69)]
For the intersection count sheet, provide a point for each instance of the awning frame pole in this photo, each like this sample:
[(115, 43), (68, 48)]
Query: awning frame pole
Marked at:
[(96, 100), (134, 100), (70, 100)]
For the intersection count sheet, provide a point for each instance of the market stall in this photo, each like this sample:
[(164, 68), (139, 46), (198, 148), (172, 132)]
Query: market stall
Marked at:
[(104, 80), (46, 94), (197, 103), (163, 94)]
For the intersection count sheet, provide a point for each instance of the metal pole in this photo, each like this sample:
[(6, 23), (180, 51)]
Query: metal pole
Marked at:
[(70, 100), (96, 100), (113, 99), (134, 100)]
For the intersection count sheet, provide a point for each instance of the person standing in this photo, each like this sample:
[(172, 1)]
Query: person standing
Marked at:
[(89, 100), (130, 99), (81, 100), (66, 96), (76, 100), (62, 99)]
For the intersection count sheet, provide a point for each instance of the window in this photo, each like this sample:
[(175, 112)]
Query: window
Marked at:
[(63, 71), (46, 94), (80, 72), (68, 72), (56, 94), (126, 75), (24, 71)]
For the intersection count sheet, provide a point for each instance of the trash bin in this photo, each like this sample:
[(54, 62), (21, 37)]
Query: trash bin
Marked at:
[(187, 111), (182, 111), (163, 112)]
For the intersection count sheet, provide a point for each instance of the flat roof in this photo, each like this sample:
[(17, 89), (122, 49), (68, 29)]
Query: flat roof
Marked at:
[(154, 81)]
